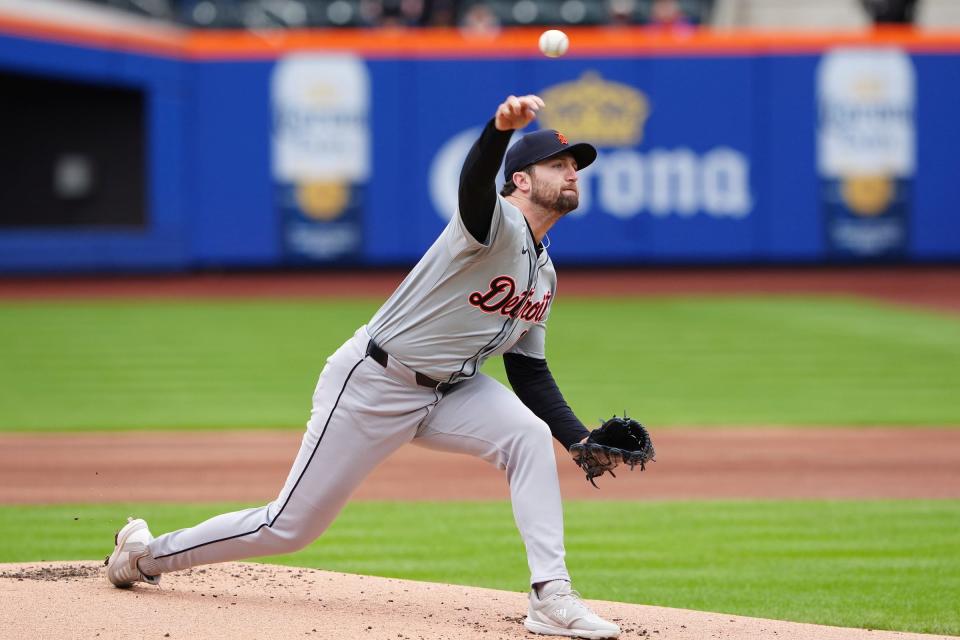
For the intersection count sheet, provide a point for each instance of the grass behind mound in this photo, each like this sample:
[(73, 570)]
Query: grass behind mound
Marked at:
[(883, 565), (94, 365)]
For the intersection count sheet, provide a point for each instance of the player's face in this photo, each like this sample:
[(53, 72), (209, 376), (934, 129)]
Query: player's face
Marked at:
[(554, 184)]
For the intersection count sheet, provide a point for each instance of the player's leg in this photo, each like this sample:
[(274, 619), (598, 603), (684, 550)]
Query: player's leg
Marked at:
[(359, 417), (482, 418)]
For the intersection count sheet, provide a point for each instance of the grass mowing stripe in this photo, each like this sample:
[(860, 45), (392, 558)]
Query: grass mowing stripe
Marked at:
[(166, 364), (227, 364), (882, 565), (761, 360)]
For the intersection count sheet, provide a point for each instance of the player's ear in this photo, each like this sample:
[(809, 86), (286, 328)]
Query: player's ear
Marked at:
[(521, 180)]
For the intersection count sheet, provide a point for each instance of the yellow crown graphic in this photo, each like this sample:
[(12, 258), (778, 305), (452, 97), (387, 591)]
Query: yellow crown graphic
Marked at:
[(595, 110), (323, 200), (867, 195)]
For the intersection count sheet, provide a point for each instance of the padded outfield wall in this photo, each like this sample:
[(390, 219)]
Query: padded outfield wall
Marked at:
[(344, 147)]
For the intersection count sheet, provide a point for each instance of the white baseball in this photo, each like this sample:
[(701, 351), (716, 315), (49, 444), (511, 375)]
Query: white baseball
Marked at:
[(554, 43)]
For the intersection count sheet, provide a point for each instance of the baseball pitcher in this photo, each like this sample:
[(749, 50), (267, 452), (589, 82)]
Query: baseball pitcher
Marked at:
[(412, 374)]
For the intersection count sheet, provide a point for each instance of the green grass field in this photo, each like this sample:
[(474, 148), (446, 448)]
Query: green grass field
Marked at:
[(880, 565), (241, 364)]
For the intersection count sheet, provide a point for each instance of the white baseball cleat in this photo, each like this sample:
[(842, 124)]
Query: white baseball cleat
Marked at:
[(559, 611), (131, 545)]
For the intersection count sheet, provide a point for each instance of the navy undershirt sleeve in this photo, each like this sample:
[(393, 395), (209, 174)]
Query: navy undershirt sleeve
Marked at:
[(534, 385), (478, 190)]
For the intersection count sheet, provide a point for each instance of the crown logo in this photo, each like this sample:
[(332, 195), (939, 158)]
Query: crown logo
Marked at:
[(867, 195), (599, 111), (323, 200)]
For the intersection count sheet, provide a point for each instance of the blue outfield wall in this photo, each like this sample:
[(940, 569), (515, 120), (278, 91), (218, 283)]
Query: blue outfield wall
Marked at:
[(165, 244), (702, 160)]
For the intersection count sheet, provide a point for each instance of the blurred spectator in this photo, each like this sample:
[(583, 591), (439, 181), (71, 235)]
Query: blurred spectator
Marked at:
[(480, 20), (440, 13), (890, 11), (669, 15), (392, 13), (621, 12), (474, 16)]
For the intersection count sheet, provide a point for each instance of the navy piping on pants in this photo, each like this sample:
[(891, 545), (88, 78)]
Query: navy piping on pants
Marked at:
[(296, 484)]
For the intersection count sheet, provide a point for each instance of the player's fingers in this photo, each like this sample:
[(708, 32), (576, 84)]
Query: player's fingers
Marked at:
[(535, 101), (504, 109), (530, 107), (515, 105)]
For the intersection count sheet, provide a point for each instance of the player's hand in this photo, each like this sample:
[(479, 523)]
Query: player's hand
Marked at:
[(576, 454), (516, 113), (613, 457)]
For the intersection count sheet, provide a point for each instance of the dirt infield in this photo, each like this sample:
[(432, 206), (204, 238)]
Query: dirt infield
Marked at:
[(931, 287), (239, 601), (256, 601), (692, 463), (259, 601)]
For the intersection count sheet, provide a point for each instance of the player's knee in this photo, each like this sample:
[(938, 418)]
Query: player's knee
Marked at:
[(290, 540), (287, 537), (534, 435)]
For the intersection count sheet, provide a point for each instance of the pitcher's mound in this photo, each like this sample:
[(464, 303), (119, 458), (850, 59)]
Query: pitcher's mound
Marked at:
[(238, 600)]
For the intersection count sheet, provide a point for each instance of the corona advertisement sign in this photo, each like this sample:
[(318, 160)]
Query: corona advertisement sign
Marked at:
[(866, 151), (321, 154)]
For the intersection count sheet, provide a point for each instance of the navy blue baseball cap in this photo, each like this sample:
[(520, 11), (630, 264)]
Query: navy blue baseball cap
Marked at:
[(541, 145)]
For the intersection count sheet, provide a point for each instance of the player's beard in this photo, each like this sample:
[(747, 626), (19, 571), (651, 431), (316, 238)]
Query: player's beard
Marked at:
[(553, 199)]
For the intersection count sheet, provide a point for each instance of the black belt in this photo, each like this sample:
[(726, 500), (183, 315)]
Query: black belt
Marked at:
[(381, 357)]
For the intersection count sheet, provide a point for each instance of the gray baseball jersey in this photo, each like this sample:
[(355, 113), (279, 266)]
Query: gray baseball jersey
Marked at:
[(466, 301)]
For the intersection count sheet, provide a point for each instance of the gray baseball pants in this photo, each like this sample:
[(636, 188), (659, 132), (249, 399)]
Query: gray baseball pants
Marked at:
[(362, 412)]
